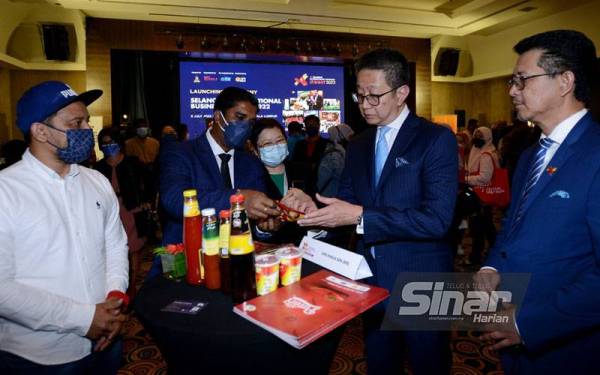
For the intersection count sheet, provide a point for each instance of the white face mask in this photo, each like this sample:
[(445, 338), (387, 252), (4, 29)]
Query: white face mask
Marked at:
[(273, 155)]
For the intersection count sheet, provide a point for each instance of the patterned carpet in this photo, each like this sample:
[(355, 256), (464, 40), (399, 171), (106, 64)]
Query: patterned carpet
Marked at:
[(141, 356)]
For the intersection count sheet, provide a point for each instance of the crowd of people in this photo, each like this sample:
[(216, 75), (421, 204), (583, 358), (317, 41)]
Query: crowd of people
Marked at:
[(67, 231)]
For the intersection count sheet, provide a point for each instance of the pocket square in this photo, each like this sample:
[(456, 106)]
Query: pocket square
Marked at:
[(561, 194), (401, 161)]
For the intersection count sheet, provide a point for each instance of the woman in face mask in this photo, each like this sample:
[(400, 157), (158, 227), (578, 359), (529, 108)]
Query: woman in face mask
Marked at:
[(480, 169), (124, 173), (270, 145)]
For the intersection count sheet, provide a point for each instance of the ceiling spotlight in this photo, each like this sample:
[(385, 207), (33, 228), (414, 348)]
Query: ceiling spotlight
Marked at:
[(278, 46), (261, 45), (308, 47), (323, 47), (225, 42), (297, 47), (204, 42), (338, 48), (355, 50)]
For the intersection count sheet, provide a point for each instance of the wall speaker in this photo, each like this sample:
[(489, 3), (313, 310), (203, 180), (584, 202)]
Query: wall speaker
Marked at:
[(446, 62), (56, 42)]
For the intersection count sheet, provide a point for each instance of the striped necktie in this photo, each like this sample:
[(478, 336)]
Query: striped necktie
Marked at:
[(535, 171)]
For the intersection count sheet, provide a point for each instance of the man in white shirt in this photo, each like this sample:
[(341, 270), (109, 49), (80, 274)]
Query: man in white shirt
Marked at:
[(63, 250)]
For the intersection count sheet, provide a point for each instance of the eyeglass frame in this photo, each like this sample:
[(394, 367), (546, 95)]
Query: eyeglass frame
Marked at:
[(356, 97), (516, 78)]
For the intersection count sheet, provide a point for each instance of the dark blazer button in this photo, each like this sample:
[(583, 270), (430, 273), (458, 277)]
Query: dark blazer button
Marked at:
[(503, 254)]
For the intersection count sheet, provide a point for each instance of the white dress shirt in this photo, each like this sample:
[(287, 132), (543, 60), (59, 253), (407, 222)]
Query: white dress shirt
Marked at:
[(217, 150), (390, 138), (62, 249), (560, 133), (394, 127)]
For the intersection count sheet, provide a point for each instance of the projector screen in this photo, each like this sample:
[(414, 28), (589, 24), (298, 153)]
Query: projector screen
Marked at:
[(286, 92)]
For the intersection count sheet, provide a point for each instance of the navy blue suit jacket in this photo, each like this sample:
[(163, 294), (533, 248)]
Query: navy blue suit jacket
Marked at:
[(407, 215), (557, 241), (192, 165)]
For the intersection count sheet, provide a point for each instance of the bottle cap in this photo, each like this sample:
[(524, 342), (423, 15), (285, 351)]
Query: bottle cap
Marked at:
[(189, 193), (236, 198), (208, 212), (224, 214)]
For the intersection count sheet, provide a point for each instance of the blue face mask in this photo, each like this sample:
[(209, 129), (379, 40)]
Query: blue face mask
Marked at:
[(80, 143), (273, 155), (236, 132), (111, 149)]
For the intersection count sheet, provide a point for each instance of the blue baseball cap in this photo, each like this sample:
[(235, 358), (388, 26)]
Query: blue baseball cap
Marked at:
[(47, 98)]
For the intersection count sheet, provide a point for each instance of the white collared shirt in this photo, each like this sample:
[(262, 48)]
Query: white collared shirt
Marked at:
[(62, 249), (216, 150), (394, 127), (390, 138), (560, 133)]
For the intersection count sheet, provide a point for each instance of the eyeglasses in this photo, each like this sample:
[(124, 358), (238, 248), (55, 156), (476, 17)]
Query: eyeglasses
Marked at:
[(372, 99), (519, 81)]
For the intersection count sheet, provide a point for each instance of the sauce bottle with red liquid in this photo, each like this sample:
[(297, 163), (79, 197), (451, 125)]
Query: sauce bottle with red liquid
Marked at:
[(192, 238)]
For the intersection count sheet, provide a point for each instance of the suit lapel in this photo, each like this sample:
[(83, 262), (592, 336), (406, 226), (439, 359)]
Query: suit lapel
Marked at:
[(564, 152), (239, 169), (206, 157), (404, 138)]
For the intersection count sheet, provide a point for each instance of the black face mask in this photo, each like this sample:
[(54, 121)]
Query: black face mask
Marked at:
[(478, 142)]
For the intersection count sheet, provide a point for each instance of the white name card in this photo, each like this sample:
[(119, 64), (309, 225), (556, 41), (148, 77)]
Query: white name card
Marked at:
[(336, 259)]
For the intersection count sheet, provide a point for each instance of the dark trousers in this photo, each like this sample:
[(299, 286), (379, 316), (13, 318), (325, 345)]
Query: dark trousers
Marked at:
[(428, 352), (106, 362), (481, 227)]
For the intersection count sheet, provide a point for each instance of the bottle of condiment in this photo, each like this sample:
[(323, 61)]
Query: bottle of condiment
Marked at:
[(241, 253), (210, 248), (192, 238), (224, 232)]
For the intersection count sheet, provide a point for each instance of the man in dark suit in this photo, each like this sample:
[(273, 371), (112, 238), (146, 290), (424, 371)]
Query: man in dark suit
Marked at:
[(399, 187), (215, 164), (315, 100), (552, 229), (308, 154)]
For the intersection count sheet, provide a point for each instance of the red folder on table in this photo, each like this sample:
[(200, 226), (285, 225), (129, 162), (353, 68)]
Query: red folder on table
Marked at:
[(308, 309)]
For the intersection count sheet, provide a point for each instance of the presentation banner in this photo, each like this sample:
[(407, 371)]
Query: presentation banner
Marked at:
[(286, 92)]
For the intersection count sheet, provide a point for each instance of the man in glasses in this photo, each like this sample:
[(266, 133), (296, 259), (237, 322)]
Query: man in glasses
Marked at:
[(398, 188), (552, 229)]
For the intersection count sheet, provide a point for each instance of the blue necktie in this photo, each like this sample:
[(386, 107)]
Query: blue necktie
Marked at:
[(535, 171), (381, 152)]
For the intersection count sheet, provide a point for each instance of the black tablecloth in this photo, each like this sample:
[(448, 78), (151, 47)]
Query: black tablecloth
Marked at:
[(217, 340)]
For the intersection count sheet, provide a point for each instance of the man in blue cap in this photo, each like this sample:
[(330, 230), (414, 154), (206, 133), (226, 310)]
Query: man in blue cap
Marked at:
[(63, 250)]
